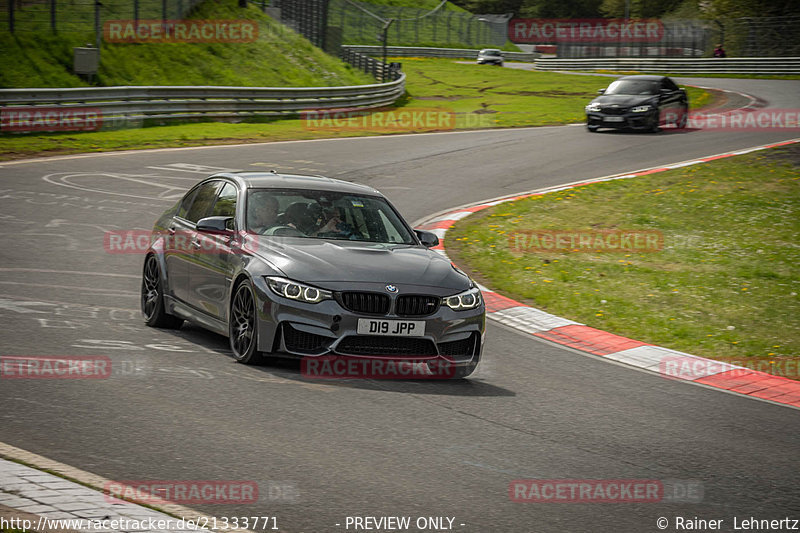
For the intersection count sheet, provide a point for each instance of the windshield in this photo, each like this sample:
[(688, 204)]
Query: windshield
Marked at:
[(324, 215), (633, 87), (491, 52)]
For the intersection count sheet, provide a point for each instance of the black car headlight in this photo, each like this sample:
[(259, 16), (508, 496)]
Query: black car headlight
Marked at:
[(469, 299), (641, 109), (297, 291)]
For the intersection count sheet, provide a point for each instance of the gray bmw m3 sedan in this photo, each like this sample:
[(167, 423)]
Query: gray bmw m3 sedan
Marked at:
[(310, 267)]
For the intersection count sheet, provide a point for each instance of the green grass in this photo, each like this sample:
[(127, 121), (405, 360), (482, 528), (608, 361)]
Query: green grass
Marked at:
[(725, 285), (278, 58), (479, 96)]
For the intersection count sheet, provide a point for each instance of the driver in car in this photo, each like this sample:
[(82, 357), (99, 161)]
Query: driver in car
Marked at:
[(263, 213)]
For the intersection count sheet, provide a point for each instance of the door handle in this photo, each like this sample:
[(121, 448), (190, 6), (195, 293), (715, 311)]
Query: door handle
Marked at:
[(196, 244), (171, 230)]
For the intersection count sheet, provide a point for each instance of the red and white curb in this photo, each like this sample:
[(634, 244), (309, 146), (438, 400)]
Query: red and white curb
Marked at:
[(669, 363)]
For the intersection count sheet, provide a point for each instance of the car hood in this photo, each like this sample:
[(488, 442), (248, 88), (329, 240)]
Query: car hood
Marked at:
[(624, 100), (320, 261)]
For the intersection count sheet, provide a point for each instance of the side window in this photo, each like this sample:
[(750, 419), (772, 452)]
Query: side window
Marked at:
[(225, 206), (186, 203), (669, 84), (202, 201)]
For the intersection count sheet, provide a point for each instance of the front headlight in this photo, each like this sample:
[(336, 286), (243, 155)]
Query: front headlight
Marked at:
[(469, 299), (297, 291), (641, 108), (593, 107)]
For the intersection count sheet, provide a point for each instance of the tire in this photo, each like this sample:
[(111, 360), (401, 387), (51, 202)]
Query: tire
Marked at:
[(152, 300), (462, 372), (684, 117), (453, 372), (243, 325), (592, 129), (654, 126)]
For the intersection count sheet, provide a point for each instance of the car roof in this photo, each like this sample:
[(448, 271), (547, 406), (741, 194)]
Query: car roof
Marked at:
[(648, 77), (273, 179)]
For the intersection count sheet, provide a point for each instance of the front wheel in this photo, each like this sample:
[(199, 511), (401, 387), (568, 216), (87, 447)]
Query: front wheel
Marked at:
[(462, 372), (153, 311), (655, 127), (684, 117), (243, 331)]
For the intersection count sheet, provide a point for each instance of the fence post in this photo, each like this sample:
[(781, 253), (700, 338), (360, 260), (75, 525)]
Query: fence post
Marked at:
[(52, 15), (399, 26), (11, 16), (97, 33), (136, 11), (164, 11), (449, 16)]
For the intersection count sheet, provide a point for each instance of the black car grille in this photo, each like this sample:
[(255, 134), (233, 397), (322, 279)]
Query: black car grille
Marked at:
[(373, 303), (378, 345), (614, 110), (458, 348), (301, 341), (416, 305)]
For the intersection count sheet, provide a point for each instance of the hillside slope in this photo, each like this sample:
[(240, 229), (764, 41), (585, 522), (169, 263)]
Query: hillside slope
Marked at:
[(278, 58)]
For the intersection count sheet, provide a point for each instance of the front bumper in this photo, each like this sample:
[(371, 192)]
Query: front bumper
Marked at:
[(634, 121), (299, 329)]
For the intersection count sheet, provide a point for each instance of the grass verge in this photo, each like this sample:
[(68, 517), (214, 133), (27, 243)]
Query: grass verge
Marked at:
[(478, 96), (725, 285), (278, 58)]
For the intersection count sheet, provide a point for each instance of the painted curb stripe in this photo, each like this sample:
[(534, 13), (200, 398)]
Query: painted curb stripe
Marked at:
[(622, 349), (589, 339)]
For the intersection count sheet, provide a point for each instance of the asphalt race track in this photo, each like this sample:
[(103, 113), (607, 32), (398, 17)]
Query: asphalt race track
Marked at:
[(180, 408)]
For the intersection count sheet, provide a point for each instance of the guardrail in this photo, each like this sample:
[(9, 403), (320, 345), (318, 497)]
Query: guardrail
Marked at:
[(417, 51), (167, 103), (377, 69), (728, 65)]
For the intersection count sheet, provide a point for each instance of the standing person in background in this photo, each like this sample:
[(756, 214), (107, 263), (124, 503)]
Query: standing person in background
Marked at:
[(719, 51)]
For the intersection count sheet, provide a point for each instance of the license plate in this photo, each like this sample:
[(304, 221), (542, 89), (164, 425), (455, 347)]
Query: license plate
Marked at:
[(613, 119), (397, 328)]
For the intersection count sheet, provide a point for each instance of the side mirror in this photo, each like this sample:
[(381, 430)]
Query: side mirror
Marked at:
[(214, 225), (601, 91), (427, 238)]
